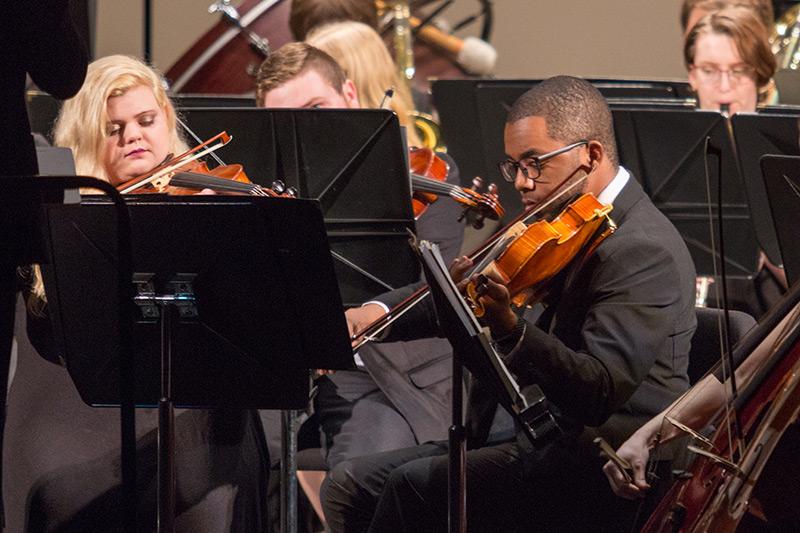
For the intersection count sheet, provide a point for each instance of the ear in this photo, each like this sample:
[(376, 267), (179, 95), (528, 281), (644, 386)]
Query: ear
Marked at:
[(597, 154), (350, 94)]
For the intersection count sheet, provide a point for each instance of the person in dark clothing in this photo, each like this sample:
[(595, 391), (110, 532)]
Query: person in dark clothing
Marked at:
[(609, 350), (40, 40), (67, 473), (398, 393)]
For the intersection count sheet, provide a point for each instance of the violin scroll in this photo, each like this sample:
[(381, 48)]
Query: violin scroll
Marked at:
[(479, 206), (428, 180)]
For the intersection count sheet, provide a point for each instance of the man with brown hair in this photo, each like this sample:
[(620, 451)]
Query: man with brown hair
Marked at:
[(694, 10), (301, 76), (397, 395)]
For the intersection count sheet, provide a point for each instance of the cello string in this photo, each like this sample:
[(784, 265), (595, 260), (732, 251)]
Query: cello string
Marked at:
[(728, 391)]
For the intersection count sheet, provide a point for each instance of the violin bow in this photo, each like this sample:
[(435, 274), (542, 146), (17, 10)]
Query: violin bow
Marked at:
[(493, 245), (214, 143)]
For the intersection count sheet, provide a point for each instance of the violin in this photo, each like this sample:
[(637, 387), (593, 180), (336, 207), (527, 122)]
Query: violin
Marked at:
[(428, 182), (186, 174), (489, 251), (536, 253)]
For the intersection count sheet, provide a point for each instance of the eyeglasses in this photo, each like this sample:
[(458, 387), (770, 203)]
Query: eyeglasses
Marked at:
[(531, 167), (713, 74)]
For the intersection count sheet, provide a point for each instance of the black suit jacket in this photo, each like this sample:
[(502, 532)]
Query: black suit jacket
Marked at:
[(415, 374), (614, 350)]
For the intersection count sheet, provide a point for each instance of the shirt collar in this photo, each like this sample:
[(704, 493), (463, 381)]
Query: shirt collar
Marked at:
[(612, 190)]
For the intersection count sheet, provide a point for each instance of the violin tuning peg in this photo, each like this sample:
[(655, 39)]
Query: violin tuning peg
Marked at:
[(278, 186), (478, 222), (291, 192), (477, 183), (492, 189)]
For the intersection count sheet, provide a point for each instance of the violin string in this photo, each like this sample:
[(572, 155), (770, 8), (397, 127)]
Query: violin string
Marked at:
[(425, 184), (197, 139), (491, 244)]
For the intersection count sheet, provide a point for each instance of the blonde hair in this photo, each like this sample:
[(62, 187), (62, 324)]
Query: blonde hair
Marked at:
[(363, 56), (81, 124)]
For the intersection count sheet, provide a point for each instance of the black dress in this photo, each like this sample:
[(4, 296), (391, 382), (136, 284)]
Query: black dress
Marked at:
[(65, 469)]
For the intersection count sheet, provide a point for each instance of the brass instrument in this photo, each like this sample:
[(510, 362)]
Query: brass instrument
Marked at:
[(785, 39), (430, 134), (398, 14)]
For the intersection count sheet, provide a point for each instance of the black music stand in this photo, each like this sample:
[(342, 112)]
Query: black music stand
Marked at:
[(473, 114), (672, 171), (782, 181), (26, 195), (473, 350), (236, 299), (758, 134), (353, 162)]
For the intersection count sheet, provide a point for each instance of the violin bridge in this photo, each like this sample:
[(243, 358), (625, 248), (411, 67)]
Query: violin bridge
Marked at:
[(686, 429), (161, 182), (718, 459)]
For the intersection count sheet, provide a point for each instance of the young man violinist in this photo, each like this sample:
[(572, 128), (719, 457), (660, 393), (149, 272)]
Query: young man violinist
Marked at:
[(397, 395), (609, 350)]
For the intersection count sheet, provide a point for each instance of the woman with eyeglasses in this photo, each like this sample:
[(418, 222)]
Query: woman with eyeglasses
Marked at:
[(731, 66), (729, 60)]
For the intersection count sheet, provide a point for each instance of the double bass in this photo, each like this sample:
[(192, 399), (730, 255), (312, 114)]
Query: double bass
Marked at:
[(225, 58), (722, 483)]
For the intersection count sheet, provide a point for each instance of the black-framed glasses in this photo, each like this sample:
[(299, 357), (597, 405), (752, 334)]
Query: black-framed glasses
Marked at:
[(531, 166)]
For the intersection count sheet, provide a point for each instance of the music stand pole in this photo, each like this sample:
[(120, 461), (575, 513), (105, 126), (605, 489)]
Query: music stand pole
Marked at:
[(472, 348), (123, 319), (166, 428), (289, 427), (457, 450)]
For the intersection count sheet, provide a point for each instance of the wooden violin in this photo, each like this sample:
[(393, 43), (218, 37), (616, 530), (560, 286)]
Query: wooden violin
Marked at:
[(539, 251), (489, 251), (186, 174), (428, 182)]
